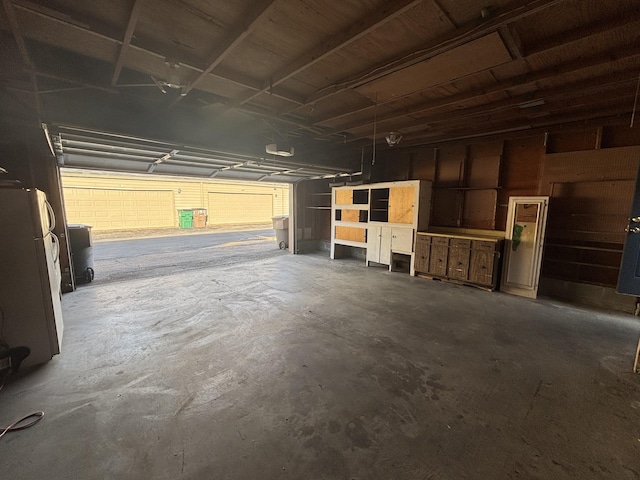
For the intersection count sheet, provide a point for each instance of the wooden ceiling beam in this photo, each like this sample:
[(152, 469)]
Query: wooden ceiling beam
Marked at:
[(236, 36), (512, 41), (575, 35), (500, 87), (444, 13), (470, 31), (128, 35), (605, 83), (584, 32), (387, 12), (74, 81), (608, 119), (110, 35), (24, 51), (606, 108), (17, 32)]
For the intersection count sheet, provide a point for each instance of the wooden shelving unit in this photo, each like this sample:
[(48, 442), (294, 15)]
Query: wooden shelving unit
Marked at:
[(380, 218)]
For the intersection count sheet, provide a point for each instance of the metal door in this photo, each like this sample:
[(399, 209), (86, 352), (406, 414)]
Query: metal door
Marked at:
[(629, 276)]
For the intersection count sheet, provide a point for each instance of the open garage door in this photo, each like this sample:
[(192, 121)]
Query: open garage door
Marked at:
[(114, 209), (239, 208)]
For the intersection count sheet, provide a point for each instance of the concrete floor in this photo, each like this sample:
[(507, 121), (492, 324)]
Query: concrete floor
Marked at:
[(299, 367)]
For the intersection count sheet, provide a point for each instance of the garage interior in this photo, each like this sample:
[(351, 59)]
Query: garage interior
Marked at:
[(304, 366)]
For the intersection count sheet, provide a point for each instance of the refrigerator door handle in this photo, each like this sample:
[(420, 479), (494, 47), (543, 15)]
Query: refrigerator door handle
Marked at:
[(52, 216), (56, 242)]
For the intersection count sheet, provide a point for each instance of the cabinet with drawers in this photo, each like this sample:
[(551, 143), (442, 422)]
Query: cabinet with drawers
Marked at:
[(463, 258)]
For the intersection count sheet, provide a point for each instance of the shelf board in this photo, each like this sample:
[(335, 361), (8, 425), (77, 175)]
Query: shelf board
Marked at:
[(319, 208)]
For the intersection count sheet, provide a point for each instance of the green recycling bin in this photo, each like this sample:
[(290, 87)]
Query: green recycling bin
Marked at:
[(185, 218)]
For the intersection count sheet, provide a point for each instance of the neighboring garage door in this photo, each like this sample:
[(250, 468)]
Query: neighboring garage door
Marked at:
[(239, 208), (120, 209)]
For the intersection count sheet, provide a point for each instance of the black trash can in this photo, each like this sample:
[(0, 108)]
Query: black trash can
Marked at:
[(81, 252)]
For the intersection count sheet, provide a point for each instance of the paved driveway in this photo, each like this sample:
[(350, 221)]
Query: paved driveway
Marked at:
[(117, 260)]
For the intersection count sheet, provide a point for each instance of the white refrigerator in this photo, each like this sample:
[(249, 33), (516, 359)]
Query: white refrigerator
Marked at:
[(30, 309)]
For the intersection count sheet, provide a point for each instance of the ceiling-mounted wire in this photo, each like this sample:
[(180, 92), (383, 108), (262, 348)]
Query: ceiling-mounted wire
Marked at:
[(635, 103), (375, 124)]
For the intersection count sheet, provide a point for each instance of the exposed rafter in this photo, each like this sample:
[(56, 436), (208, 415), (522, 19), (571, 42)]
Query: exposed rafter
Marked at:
[(547, 74), (579, 34), (603, 87), (237, 35), (103, 33), (128, 34), (389, 11), (17, 32), (444, 43)]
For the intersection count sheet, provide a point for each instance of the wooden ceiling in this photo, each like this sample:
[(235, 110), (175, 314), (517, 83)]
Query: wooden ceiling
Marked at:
[(319, 74)]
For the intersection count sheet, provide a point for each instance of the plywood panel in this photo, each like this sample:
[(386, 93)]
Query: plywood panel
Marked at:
[(520, 172), (401, 204), (480, 209), (605, 164), (446, 207), (423, 165), (483, 172), (352, 234), (475, 56), (450, 167), (350, 215), (560, 142), (344, 197)]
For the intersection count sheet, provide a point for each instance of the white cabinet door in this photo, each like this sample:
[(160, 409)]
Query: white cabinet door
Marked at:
[(385, 246), (379, 244), (373, 243), (402, 240)]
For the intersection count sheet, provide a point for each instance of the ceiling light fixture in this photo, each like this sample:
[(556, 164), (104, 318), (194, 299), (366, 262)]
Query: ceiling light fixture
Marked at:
[(272, 149), (393, 138)]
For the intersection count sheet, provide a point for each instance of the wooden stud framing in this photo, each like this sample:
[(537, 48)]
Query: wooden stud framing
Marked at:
[(128, 34)]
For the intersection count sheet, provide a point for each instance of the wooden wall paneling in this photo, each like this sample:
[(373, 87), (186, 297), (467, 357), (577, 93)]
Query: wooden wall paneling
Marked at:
[(520, 171), (486, 149), (397, 165), (480, 209), (620, 135), (446, 206), (423, 164), (585, 231), (483, 172), (590, 211), (584, 139), (593, 165), (450, 168)]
